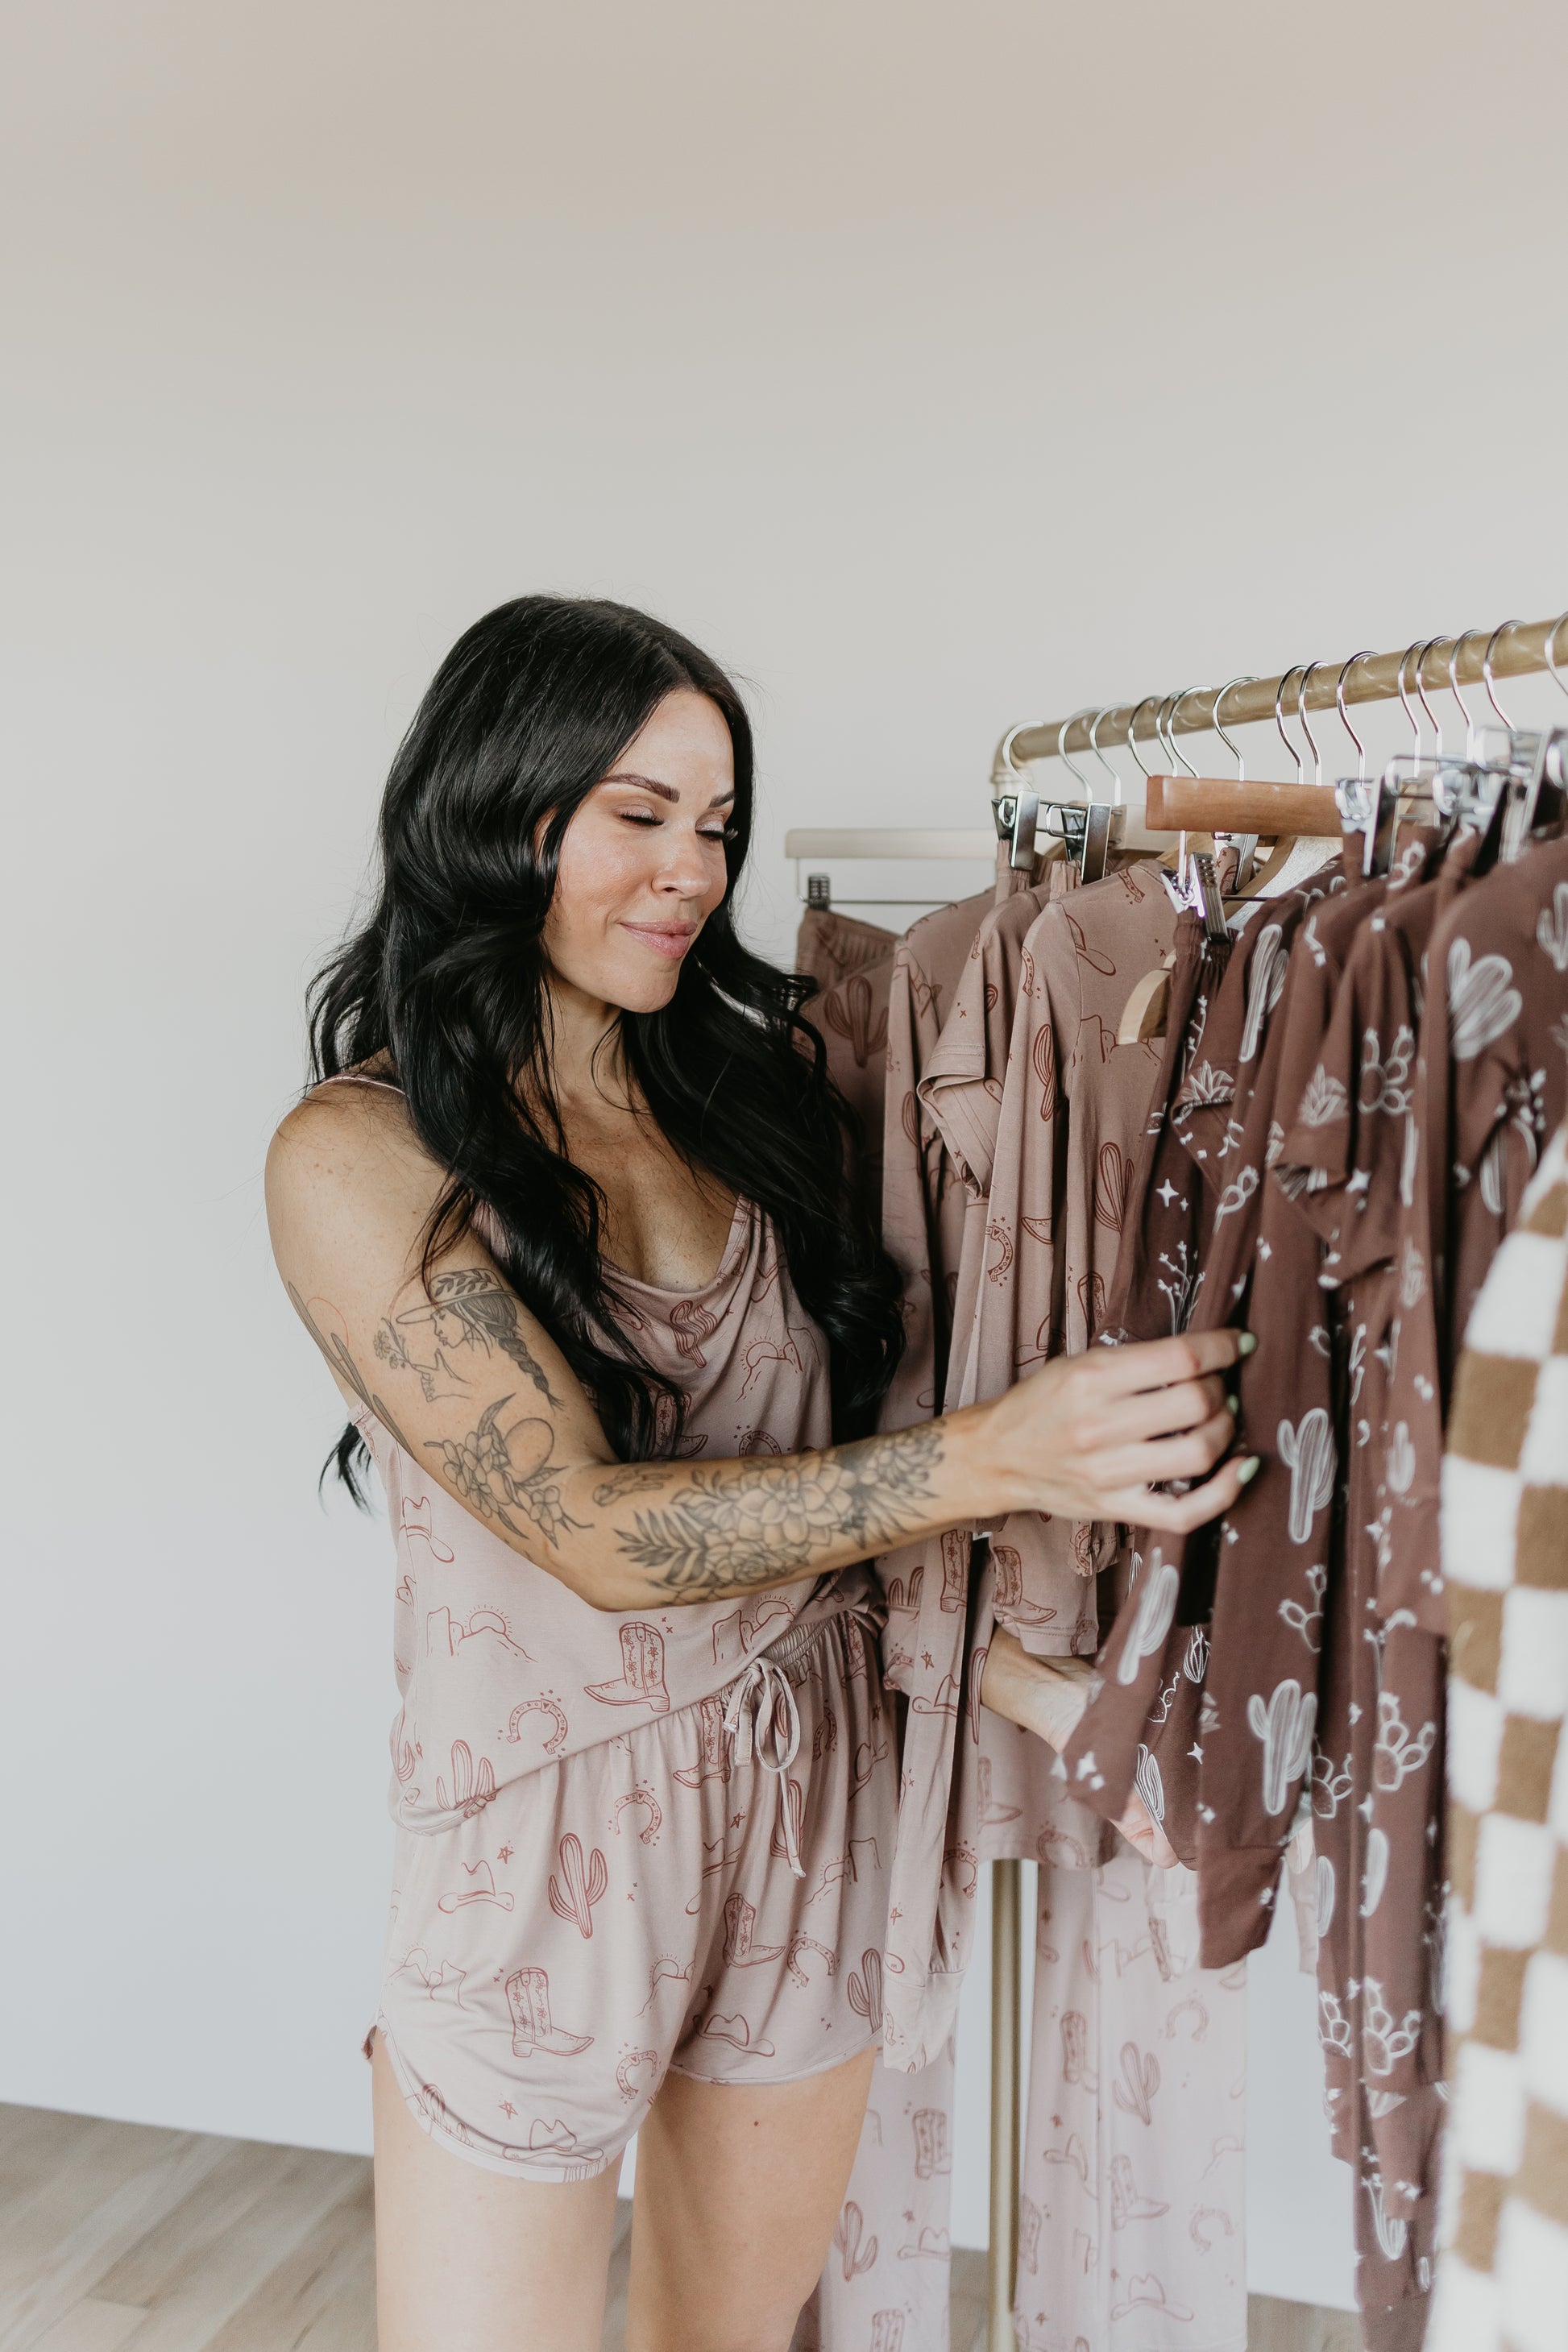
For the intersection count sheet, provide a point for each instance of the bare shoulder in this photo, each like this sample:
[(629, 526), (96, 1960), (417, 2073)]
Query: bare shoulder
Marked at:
[(348, 1154)]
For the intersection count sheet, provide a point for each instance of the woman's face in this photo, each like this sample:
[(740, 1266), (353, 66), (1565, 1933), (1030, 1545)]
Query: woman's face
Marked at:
[(642, 865)]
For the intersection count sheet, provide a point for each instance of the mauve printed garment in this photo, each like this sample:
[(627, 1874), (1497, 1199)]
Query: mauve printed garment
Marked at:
[(633, 1908), (503, 1668), (893, 2225), (829, 945), (1117, 2100), (851, 1019), (485, 1709)]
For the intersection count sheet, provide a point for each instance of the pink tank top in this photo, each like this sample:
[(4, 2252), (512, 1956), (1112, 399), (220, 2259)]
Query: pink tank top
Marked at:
[(500, 1666)]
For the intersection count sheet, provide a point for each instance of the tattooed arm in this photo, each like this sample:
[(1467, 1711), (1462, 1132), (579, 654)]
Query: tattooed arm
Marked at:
[(475, 1390)]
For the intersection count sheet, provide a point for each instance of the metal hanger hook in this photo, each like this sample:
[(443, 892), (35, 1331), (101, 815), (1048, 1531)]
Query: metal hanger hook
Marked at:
[(1306, 679), (1005, 759), (1431, 644), (1098, 719), (1414, 646), (1171, 738), (1501, 630), (1454, 650), (1062, 750), (1340, 705), (1249, 679), (1280, 722), (1132, 721)]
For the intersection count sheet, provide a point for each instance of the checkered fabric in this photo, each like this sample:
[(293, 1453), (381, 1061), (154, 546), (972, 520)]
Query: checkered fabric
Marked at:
[(1503, 2283)]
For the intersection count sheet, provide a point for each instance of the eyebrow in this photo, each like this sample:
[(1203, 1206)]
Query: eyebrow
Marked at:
[(665, 792)]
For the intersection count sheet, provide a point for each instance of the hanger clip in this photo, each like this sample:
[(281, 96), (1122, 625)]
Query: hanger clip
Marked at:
[(1018, 820)]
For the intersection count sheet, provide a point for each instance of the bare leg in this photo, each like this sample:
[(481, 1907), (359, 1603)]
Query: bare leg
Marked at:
[(468, 2261), (738, 2190), (1048, 1696)]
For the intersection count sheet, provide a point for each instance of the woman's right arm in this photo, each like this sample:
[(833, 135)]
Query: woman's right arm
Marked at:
[(473, 1388)]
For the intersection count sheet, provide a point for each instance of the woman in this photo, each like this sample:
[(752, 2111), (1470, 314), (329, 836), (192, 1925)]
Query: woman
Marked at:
[(569, 1219)]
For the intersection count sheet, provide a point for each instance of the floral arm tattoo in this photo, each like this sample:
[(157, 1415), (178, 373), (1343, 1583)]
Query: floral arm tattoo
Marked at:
[(751, 1521), (497, 1472)]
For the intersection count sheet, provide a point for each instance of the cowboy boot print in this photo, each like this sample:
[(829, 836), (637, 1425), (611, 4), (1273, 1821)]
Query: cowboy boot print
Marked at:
[(740, 1927), (533, 2028), (642, 1672), (713, 1749)]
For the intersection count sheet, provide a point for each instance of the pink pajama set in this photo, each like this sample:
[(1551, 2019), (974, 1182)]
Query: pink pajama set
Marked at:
[(638, 1840)]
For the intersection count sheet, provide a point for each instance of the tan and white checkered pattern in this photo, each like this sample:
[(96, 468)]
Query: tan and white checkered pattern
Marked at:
[(1503, 2281)]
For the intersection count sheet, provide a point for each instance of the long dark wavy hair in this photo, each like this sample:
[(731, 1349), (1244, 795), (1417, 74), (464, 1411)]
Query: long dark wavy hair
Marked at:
[(446, 979)]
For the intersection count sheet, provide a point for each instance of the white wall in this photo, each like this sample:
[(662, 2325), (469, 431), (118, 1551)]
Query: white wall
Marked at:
[(936, 367)]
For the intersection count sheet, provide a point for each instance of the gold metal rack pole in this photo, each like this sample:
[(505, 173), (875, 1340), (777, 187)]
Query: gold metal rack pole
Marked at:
[(1006, 1974), (1519, 649)]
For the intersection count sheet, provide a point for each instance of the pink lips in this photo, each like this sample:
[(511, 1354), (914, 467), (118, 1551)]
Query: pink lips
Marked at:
[(672, 941)]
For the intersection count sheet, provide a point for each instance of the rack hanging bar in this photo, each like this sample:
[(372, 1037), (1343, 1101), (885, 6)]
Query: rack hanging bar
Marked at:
[(1522, 649)]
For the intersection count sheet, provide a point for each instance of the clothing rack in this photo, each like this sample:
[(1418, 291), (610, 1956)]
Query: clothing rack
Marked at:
[(1477, 657)]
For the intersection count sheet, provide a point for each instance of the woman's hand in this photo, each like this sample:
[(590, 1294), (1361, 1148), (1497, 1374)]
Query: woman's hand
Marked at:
[(1088, 1437), (1048, 1696)]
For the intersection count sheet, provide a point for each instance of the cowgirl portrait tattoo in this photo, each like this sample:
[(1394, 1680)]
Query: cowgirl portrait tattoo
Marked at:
[(470, 1309)]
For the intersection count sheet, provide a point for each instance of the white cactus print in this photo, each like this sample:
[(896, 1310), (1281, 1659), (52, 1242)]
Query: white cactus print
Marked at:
[(1284, 1728), (1552, 927), (1307, 1450), (1401, 1460), (1375, 1877), (1325, 1894), (1391, 2232), (1150, 1785), (1156, 1607), (1265, 983), (1483, 1001)]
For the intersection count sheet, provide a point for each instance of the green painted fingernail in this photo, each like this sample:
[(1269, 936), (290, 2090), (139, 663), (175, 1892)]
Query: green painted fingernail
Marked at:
[(1247, 1343), (1249, 1468)]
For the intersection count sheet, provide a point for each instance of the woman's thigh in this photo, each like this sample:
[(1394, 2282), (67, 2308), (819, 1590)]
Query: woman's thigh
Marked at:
[(738, 2190), (467, 2261)]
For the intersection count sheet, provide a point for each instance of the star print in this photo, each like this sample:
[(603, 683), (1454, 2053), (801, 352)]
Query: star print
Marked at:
[(1167, 1192), (505, 1855), (1195, 1753), (1359, 1181), (1264, 1250)]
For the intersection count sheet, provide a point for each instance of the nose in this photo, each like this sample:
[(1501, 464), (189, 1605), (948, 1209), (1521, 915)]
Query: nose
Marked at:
[(683, 873)]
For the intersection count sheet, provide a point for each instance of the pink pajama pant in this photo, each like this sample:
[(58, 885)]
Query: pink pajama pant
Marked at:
[(635, 1906)]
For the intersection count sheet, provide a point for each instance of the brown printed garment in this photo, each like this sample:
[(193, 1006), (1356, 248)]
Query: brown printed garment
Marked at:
[(1185, 1224), (1491, 1081), (1377, 1778)]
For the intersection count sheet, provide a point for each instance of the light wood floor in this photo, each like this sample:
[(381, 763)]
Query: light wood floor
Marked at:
[(124, 2235)]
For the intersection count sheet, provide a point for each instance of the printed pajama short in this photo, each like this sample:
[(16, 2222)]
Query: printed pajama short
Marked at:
[(636, 1906)]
